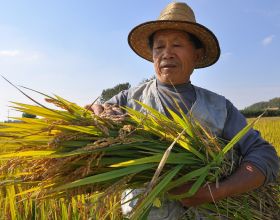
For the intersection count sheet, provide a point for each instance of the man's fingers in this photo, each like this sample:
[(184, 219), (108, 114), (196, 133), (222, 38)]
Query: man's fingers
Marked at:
[(97, 109), (105, 109), (118, 110), (88, 107)]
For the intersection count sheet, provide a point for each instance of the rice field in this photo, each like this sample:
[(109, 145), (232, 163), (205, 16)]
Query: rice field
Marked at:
[(80, 207), (270, 130)]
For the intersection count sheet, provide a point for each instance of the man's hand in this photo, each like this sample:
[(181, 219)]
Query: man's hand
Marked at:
[(205, 194), (95, 108), (105, 109), (247, 177)]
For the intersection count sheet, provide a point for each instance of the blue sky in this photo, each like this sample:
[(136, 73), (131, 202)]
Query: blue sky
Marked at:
[(76, 49)]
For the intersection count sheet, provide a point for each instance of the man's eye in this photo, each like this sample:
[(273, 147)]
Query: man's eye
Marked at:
[(159, 47), (177, 45)]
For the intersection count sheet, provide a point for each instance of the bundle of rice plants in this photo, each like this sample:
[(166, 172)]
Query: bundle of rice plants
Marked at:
[(69, 151)]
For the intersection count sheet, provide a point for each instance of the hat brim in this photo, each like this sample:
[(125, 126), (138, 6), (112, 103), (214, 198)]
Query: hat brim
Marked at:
[(139, 36)]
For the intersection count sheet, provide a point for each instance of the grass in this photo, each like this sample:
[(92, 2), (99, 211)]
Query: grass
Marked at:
[(269, 128)]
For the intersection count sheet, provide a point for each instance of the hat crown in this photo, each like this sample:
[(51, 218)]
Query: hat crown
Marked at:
[(177, 11)]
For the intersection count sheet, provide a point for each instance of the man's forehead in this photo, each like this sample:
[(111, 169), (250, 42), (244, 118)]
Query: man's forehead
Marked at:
[(174, 34)]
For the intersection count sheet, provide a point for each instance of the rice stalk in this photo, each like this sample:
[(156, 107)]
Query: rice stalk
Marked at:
[(70, 153)]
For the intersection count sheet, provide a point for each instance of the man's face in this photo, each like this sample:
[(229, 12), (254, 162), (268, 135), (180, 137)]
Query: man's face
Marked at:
[(174, 56)]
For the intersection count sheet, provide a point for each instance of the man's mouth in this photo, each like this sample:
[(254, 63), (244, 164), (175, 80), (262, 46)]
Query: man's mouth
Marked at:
[(167, 66)]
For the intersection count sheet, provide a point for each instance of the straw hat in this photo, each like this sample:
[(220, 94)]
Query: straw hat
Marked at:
[(177, 16)]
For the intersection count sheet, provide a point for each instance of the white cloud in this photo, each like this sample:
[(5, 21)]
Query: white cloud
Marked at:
[(267, 40), (9, 53), (20, 55)]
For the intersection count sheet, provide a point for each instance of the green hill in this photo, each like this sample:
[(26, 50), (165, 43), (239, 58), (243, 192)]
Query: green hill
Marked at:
[(273, 104), (272, 108)]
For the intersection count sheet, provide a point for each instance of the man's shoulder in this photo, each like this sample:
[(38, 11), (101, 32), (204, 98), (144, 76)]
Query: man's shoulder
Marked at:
[(144, 84), (209, 93), (141, 87)]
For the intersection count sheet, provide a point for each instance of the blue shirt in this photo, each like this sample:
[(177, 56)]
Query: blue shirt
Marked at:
[(252, 147)]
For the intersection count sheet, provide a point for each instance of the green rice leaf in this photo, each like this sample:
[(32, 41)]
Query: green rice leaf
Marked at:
[(174, 158), (235, 139), (106, 176), (195, 186), (83, 129), (147, 201), (26, 154), (187, 177)]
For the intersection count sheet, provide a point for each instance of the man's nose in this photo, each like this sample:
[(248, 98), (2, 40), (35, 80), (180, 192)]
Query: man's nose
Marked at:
[(168, 52)]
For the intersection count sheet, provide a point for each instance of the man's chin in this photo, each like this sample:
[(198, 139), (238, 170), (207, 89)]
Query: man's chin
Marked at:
[(168, 80)]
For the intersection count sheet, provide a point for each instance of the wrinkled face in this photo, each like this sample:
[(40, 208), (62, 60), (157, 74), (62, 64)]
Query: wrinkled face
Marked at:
[(174, 56)]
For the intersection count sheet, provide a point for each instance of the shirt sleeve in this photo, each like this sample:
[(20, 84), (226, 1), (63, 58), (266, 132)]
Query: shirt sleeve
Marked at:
[(252, 147), (119, 99)]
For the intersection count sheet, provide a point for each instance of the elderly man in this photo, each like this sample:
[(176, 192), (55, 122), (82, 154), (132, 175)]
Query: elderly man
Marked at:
[(177, 44)]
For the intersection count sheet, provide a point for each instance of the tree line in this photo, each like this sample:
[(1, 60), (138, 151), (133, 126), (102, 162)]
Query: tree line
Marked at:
[(256, 113)]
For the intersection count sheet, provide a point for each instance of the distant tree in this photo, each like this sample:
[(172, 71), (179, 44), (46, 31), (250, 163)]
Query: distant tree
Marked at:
[(256, 113), (109, 93), (147, 79), (275, 103), (27, 115)]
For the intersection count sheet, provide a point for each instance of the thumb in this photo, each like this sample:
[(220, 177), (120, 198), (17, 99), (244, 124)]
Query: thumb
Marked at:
[(95, 108)]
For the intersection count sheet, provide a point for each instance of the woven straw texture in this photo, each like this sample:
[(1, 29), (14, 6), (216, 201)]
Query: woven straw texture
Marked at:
[(176, 16)]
